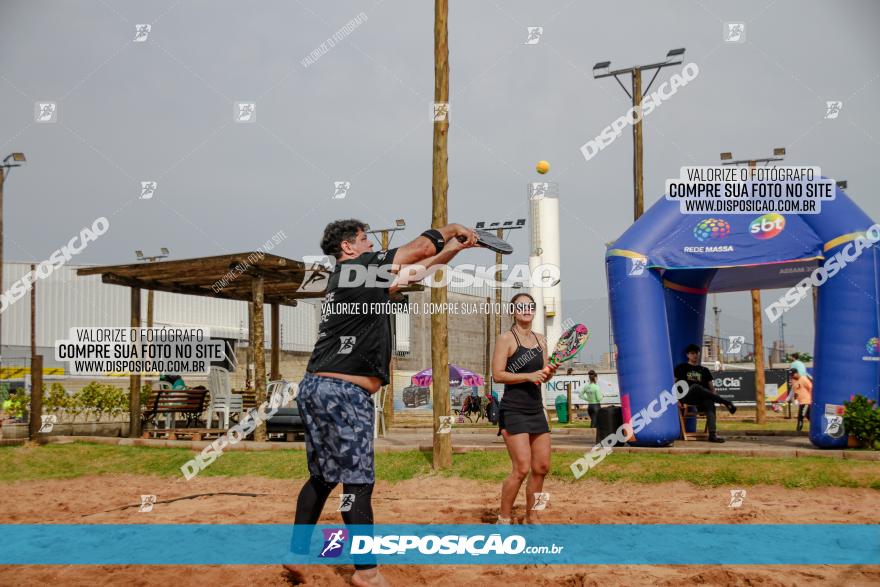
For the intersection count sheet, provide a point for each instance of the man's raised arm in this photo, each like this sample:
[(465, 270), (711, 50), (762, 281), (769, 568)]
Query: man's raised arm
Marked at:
[(431, 242)]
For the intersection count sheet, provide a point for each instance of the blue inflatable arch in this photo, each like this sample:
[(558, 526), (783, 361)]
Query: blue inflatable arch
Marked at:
[(658, 309)]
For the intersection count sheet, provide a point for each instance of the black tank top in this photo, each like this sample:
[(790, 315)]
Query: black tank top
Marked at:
[(524, 397)]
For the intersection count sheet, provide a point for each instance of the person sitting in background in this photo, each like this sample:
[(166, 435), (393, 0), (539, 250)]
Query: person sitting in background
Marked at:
[(176, 381), (797, 364), (592, 394), (701, 389), (803, 393)]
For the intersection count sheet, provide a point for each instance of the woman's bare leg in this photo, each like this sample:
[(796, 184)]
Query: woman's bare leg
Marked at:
[(540, 465), (520, 456)]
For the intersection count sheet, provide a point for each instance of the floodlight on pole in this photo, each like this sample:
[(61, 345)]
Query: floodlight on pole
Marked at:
[(603, 69), (778, 155), (384, 235), (18, 159), (149, 259), (150, 295)]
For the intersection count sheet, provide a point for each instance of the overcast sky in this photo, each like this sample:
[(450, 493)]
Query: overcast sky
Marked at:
[(163, 110)]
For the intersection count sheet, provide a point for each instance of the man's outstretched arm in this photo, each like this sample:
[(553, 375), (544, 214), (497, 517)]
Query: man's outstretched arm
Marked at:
[(422, 247), (414, 273)]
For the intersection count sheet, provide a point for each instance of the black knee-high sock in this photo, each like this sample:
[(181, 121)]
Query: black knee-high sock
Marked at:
[(361, 513), (309, 505)]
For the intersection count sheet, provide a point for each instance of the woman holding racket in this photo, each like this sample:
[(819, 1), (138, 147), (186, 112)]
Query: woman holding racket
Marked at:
[(521, 363)]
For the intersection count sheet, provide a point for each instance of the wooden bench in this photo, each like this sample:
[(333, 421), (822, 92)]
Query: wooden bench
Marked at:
[(190, 433), (169, 402), (249, 398)]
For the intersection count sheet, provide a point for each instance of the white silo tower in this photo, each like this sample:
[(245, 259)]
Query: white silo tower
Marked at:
[(544, 208)]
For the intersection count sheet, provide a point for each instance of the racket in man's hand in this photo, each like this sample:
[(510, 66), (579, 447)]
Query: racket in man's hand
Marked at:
[(489, 241), (569, 344)]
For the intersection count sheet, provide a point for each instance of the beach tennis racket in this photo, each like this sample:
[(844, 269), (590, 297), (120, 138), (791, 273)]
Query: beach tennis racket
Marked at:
[(489, 241), (569, 344)]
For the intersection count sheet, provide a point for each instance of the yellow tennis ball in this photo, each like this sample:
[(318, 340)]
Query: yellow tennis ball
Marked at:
[(542, 167)]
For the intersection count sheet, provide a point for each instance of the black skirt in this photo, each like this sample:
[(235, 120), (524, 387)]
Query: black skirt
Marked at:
[(519, 423)]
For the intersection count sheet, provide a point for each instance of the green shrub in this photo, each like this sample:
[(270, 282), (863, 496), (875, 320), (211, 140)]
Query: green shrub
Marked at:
[(19, 402), (57, 399), (861, 418)]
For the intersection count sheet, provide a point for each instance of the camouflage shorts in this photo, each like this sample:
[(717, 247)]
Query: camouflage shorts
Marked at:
[(339, 420)]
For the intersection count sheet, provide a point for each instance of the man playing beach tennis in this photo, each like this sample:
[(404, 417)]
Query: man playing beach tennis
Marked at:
[(350, 362)]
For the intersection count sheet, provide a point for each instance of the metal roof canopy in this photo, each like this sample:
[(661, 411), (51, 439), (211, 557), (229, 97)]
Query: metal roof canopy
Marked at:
[(201, 276), (261, 279), (253, 277)]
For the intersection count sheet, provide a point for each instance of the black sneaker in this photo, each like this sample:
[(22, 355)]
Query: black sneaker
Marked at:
[(715, 438), (731, 408)]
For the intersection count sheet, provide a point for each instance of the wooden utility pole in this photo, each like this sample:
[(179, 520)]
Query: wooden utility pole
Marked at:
[(33, 312), (275, 368), (35, 421), (2, 181), (249, 356), (488, 358), (259, 354), (638, 177), (717, 311), (134, 380), (759, 356), (388, 407), (758, 328), (439, 184), (500, 234)]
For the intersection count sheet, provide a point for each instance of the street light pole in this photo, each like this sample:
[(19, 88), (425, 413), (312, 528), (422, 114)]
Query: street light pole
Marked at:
[(757, 320), (638, 155), (18, 159), (499, 227), (385, 236), (673, 57), (153, 259)]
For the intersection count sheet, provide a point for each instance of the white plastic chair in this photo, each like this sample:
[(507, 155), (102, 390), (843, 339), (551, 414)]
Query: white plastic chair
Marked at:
[(282, 388), (379, 399), (224, 403), (169, 418)]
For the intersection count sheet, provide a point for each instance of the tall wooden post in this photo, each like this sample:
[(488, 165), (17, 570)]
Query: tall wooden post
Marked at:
[(442, 457), (488, 358), (758, 329), (2, 288), (35, 421), (259, 353), (388, 407), (134, 380), (150, 303), (638, 178), (759, 356), (275, 370), (500, 234), (33, 312), (249, 356)]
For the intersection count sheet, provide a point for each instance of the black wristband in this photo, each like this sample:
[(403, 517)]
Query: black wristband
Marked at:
[(435, 237)]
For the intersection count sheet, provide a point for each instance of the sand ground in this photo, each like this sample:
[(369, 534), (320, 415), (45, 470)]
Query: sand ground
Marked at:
[(432, 500)]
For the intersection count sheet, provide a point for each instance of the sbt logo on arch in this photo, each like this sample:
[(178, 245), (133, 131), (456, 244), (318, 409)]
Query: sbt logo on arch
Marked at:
[(767, 226)]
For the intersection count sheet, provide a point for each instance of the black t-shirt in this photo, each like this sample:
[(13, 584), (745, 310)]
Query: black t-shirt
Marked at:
[(354, 336), (693, 374)]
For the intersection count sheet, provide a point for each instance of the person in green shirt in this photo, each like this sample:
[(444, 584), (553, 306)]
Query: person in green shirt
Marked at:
[(592, 394)]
